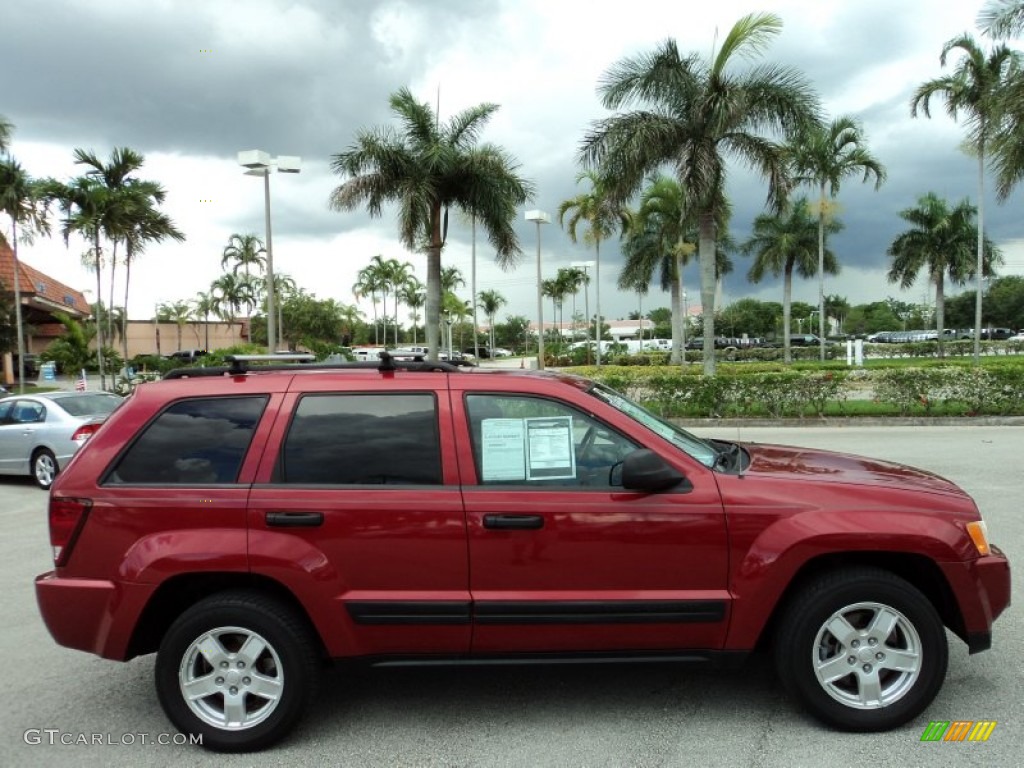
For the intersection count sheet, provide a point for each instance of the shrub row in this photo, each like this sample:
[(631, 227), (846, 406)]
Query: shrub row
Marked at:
[(777, 394)]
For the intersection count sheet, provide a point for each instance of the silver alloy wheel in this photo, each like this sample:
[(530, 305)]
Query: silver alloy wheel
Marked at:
[(231, 678), (44, 468), (867, 655)]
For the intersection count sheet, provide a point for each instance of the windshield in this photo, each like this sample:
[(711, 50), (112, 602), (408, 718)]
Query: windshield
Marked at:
[(701, 450)]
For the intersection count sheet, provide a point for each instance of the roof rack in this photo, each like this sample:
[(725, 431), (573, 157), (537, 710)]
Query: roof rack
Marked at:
[(239, 364)]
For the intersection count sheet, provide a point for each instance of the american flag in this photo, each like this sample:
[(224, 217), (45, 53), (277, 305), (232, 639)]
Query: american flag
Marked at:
[(80, 383)]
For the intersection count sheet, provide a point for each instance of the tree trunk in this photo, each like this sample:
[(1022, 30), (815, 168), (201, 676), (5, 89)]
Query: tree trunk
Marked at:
[(124, 317), (110, 315), (981, 247), (678, 348), (18, 322), (433, 309), (821, 274), (940, 311), (706, 249), (99, 319), (597, 278), (787, 302)]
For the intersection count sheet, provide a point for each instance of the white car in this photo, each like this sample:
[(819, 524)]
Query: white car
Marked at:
[(1019, 336)]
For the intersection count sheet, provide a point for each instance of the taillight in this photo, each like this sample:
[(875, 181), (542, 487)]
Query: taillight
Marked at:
[(67, 517), (83, 433)]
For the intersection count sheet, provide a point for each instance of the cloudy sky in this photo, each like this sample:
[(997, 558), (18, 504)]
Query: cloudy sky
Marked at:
[(189, 84)]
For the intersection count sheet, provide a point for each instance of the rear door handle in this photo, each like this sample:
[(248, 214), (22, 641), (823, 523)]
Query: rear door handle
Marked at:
[(514, 522), (295, 519)]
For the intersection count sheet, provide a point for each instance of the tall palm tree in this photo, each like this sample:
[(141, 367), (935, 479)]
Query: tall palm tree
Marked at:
[(555, 290), (244, 252), (24, 201), (786, 242), (603, 215), (429, 167), (490, 302), (86, 205), (657, 239), (575, 278), (115, 176), (393, 274), (824, 155), (141, 224), (975, 88), (349, 317), (693, 114), (940, 241), (177, 312), (285, 287)]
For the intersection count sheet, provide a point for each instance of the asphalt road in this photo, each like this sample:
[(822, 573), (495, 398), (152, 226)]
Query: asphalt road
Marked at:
[(657, 715)]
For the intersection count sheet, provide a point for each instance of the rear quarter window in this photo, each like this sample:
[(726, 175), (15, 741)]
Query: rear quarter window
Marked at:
[(197, 441), (362, 439)]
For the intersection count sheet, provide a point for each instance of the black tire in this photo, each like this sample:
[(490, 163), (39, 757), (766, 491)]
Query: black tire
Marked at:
[(892, 675), (44, 468), (287, 667)]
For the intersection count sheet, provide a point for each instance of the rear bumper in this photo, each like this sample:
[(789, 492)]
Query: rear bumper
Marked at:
[(92, 615), (982, 589)]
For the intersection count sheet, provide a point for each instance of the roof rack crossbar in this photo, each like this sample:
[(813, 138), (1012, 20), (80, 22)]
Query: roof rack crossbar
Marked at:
[(239, 365)]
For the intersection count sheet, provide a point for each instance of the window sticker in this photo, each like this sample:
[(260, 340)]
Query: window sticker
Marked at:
[(549, 448), (504, 450)]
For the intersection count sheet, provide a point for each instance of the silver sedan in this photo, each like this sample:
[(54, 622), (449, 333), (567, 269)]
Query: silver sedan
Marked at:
[(40, 433)]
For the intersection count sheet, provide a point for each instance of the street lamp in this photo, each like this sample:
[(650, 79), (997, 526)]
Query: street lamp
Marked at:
[(539, 217), (585, 265), (259, 163)]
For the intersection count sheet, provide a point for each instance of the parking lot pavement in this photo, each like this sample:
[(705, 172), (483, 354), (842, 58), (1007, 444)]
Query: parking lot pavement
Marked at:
[(657, 715)]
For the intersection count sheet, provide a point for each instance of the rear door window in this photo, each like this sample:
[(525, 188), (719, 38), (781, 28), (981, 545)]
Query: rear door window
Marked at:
[(197, 441), (362, 439)]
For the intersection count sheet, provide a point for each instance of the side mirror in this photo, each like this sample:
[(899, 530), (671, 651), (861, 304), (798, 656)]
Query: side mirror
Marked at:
[(644, 470)]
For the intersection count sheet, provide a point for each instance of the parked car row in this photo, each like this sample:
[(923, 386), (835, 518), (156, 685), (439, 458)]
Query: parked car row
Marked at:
[(948, 334)]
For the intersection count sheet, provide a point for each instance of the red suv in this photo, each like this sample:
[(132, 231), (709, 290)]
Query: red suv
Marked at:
[(251, 524)]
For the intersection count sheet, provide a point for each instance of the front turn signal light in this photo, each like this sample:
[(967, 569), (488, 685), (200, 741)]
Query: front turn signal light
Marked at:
[(979, 535)]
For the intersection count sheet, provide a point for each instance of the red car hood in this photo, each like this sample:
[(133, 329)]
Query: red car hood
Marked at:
[(810, 464)]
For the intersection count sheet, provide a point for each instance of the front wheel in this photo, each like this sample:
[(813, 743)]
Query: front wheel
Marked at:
[(237, 669), (861, 649)]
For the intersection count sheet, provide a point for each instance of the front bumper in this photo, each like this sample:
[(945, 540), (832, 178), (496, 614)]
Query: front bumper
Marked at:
[(982, 591)]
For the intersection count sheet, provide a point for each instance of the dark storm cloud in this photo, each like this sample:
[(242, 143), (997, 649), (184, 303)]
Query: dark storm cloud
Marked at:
[(142, 76)]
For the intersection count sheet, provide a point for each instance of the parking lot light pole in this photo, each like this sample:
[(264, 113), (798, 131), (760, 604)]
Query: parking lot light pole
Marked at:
[(539, 217), (259, 163)]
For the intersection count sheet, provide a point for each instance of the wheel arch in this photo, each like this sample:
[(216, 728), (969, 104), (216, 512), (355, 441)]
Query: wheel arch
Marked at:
[(177, 594), (918, 570)]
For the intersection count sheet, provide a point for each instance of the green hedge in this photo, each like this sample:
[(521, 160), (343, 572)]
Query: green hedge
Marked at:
[(745, 391)]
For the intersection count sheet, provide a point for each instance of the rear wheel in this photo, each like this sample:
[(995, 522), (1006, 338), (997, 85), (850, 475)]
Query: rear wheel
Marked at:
[(44, 468), (239, 669), (862, 649)]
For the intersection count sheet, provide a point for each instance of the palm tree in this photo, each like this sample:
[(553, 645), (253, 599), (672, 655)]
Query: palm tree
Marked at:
[(1002, 18), (824, 155), (25, 203), (787, 242), (575, 278), (230, 293), (976, 87), (6, 129), (698, 113), (114, 176), (657, 239), (204, 305), (177, 312), (603, 215), (142, 224), (244, 252), (940, 241), (412, 294), (554, 289), (428, 168), (86, 207), (490, 302), (285, 287), (393, 275), (368, 283)]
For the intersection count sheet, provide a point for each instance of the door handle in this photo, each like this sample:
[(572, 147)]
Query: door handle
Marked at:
[(514, 522), (295, 519)]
